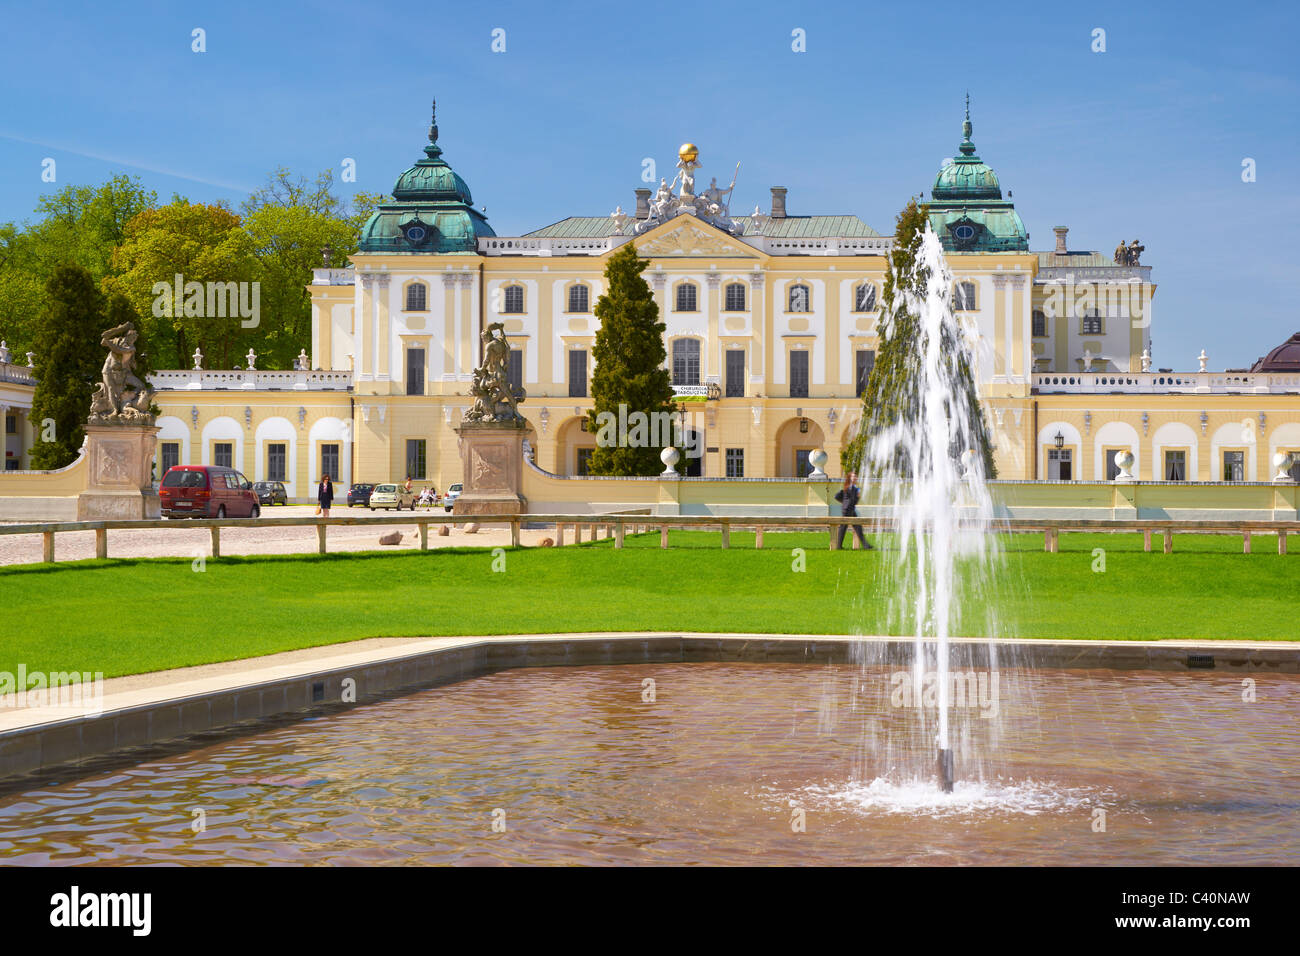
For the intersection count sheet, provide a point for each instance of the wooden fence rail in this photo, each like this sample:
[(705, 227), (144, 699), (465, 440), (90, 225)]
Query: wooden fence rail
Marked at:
[(618, 525)]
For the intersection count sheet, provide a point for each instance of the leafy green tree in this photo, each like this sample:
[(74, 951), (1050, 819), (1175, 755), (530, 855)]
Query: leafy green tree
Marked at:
[(630, 357), (201, 243), (892, 392), (68, 362)]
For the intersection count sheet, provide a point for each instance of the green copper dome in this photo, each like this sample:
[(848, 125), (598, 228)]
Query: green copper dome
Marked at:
[(432, 211), (967, 211)]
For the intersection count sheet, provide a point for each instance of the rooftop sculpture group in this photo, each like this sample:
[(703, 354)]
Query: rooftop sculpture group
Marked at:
[(713, 205), (1129, 255)]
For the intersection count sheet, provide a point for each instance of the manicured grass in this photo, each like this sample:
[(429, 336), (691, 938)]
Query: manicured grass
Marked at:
[(132, 616)]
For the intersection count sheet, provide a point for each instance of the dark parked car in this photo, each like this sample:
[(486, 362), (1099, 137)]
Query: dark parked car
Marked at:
[(207, 491), (271, 492), (359, 494)]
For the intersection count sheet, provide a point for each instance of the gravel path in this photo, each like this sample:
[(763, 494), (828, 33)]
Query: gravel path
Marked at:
[(191, 542)]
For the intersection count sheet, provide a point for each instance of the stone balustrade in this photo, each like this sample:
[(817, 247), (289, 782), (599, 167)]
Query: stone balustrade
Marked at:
[(1168, 383), (299, 381)]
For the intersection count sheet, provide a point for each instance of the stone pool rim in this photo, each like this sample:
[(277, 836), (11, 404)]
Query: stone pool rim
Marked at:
[(35, 740)]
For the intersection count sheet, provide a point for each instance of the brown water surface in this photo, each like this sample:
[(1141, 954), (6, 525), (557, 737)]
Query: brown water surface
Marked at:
[(575, 765)]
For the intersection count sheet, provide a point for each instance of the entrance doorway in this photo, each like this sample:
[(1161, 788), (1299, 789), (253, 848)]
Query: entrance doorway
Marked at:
[(1060, 463)]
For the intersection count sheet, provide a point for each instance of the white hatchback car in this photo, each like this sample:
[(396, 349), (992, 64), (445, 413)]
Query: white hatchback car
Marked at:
[(452, 494), (391, 496)]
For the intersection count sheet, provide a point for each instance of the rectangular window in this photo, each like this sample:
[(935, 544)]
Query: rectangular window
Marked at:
[(735, 463), (1234, 466), (578, 298), (799, 374), (223, 454), (275, 462), (866, 361), (577, 373), (964, 297), (736, 373), (864, 298), (584, 460), (1040, 325), (171, 455), (1090, 325), (514, 299), (515, 369), (686, 362), (686, 297), (802, 466), (415, 297), (329, 461), (415, 371), (735, 297), (415, 458), (1175, 466), (11, 424)]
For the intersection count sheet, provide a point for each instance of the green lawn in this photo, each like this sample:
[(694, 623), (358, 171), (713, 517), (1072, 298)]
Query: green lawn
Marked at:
[(131, 616)]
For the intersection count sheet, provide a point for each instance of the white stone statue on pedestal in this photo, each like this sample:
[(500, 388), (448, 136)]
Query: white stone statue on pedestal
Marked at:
[(1146, 360), (1202, 358), (252, 360), (198, 360)]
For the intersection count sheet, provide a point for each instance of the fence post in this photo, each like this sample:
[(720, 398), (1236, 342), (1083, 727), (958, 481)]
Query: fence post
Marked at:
[(1169, 542), (663, 536), (758, 539), (424, 536), (618, 535), (832, 527), (320, 536), (101, 542), (47, 547), (216, 541), (1146, 540), (514, 533), (1245, 541), (559, 534), (726, 533), (1281, 541)]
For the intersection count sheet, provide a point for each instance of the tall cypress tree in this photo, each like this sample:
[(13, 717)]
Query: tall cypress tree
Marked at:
[(630, 358), (891, 393), (68, 360)]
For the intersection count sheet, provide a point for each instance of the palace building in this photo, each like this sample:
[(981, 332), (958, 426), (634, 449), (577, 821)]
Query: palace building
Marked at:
[(771, 333)]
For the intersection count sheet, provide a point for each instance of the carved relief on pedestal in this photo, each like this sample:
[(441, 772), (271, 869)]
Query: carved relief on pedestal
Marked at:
[(488, 468), (113, 463)]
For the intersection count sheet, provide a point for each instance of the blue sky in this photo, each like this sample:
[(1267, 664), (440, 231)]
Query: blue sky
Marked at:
[(1145, 140)]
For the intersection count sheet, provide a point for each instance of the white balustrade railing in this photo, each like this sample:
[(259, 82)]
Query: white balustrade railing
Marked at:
[(333, 276), (16, 374), (1225, 383), (302, 381)]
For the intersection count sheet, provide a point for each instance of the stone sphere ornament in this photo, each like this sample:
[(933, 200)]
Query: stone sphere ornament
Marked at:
[(818, 458), (670, 456), (1125, 461)]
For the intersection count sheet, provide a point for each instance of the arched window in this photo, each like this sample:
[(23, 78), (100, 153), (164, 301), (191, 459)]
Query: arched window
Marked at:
[(735, 297), (800, 298), (578, 298), (416, 297), (686, 299), (686, 361), (513, 299), (964, 297), (1039, 329), (864, 298)]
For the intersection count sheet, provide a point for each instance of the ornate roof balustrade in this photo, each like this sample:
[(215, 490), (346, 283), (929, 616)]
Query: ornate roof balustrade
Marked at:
[(17, 374), (1167, 383), (333, 276), (298, 381)]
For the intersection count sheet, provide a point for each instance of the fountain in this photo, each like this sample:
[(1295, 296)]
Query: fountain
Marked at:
[(927, 471)]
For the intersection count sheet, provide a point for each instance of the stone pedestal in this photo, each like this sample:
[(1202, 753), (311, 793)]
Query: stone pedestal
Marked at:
[(120, 464), (491, 457)]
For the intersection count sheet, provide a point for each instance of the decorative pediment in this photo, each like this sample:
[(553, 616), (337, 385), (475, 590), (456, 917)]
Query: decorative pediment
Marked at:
[(689, 237)]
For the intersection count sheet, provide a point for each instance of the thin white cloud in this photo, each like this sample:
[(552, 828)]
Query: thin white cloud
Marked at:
[(130, 163)]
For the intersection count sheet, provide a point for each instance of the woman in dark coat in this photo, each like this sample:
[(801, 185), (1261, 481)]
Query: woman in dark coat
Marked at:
[(325, 495), (848, 498)]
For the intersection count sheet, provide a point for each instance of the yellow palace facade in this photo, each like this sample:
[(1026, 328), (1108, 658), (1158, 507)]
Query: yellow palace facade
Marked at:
[(770, 332)]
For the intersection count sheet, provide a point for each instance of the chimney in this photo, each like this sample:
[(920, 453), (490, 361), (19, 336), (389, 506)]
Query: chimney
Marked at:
[(778, 202), (1060, 238), (642, 203)]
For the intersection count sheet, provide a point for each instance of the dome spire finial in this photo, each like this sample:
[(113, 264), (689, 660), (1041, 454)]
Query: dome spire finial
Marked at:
[(967, 147), (433, 150)]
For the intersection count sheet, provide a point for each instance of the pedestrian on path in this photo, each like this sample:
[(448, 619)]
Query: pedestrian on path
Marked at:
[(324, 495), (848, 498)]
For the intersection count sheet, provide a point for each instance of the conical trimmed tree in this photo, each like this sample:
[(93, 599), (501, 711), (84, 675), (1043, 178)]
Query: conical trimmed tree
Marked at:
[(630, 358), (891, 392), (68, 361)]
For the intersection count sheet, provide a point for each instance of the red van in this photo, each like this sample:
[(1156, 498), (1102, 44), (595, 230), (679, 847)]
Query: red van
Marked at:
[(207, 491)]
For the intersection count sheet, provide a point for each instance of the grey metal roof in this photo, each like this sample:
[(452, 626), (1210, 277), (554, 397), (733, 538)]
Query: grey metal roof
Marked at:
[(1082, 260)]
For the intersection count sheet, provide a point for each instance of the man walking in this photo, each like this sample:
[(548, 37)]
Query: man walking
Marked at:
[(848, 498)]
